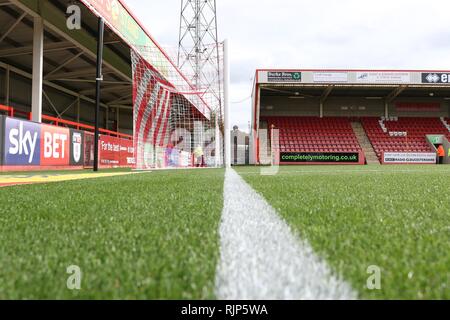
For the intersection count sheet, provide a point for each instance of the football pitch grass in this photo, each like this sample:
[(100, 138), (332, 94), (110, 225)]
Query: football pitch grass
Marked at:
[(144, 236), (155, 235), (395, 218)]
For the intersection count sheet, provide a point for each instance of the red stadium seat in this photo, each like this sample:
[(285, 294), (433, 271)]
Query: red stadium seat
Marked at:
[(415, 141), (313, 134)]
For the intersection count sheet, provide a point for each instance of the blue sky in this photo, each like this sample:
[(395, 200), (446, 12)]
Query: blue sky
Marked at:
[(394, 34)]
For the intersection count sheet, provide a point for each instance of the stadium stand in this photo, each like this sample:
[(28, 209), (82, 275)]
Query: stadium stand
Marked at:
[(313, 134), (446, 123), (402, 134)]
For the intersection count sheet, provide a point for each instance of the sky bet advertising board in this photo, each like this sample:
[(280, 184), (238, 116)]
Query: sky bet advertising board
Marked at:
[(32, 144)]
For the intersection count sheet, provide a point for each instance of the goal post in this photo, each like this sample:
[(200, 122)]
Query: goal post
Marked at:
[(176, 125)]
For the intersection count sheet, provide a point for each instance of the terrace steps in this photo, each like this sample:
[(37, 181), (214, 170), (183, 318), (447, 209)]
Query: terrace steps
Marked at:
[(365, 144)]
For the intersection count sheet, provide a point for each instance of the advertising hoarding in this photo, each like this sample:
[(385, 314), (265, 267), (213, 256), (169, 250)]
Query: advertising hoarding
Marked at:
[(330, 77), (435, 78), (26, 145), (321, 158), (383, 77), (284, 76), (116, 152)]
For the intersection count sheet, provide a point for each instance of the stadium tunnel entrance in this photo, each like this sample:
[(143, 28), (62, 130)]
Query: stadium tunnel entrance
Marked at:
[(331, 116)]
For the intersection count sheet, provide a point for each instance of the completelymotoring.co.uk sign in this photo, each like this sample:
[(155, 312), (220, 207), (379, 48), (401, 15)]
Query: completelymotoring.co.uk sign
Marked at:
[(321, 158)]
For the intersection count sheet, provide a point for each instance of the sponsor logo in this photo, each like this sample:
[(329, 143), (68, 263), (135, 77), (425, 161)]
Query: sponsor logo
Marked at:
[(435, 77), (284, 76), (383, 77), (363, 77), (22, 145), (76, 146), (325, 77), (117, 152), (55, 146), (419, 158)]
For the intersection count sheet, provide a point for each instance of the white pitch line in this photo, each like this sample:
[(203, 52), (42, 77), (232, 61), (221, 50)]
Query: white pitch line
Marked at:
[(260, 257)]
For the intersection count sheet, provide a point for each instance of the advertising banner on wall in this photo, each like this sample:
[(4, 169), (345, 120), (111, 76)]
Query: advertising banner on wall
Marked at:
[(329, 77), (89, 142), (435, 78), (418, 106), (320, 157), (383, 77), (413, 158), (27, 143), (76, 148), (116, 152)]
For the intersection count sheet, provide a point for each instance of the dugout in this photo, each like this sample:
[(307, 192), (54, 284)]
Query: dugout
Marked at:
[(379, 111)]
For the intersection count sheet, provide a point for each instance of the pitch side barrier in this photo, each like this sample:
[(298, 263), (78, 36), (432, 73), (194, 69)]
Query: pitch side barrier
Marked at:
[(408, 158), (27, 146), (324, 158)]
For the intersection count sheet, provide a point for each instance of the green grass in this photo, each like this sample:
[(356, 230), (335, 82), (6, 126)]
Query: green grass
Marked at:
[(144, 236), (60, 172), (395, 217)]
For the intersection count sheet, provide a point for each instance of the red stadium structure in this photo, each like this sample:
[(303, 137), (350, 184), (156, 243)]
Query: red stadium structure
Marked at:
[(350, 116), (48, 90)]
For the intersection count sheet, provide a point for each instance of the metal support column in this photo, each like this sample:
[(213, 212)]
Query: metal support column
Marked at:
[(226, 89), (101, 28), (7, 86), (78, 109), (38, 63)]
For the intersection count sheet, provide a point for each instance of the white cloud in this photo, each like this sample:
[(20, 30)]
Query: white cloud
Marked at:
[(397, 34)]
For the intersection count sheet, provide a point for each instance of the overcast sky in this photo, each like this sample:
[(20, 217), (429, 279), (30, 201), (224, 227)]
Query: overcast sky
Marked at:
[(393, 34)]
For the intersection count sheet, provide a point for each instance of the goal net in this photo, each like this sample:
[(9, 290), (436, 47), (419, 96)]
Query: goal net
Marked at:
[(176, 124)]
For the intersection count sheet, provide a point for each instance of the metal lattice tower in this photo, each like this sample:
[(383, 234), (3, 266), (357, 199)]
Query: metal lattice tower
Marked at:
[(199, 55)]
